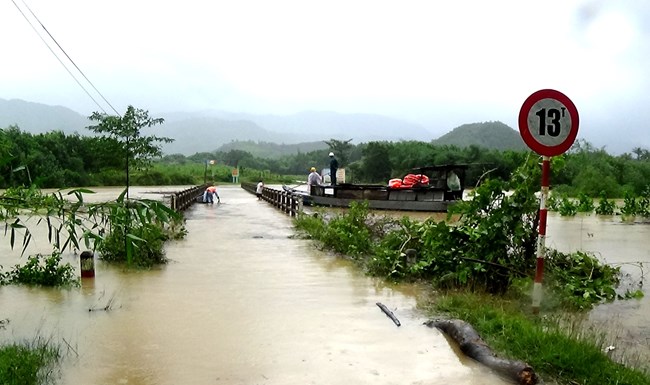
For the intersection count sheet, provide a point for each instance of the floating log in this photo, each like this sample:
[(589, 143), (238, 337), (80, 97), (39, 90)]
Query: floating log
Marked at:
[(388, 313), (473, 346)]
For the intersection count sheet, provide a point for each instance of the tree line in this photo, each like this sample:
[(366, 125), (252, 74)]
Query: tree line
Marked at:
[(55, 160), (584, 169)]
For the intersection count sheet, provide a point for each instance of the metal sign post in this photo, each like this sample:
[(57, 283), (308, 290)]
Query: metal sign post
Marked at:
[(548, 124)]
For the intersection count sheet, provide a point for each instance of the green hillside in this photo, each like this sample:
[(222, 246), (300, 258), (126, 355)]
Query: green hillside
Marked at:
[(492, 135)]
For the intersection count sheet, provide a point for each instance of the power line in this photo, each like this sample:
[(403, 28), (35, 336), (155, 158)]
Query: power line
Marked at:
[(66, 54), (69, 58)]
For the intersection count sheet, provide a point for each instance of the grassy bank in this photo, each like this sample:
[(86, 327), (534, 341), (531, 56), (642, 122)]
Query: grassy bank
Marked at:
[(29, 363), (558, 347)]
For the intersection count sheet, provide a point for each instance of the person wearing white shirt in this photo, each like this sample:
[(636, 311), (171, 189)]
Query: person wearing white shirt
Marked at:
[(314, 179), (259, 189)]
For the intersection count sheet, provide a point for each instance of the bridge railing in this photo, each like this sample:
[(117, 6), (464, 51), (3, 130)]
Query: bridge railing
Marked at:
[(181, 200), (287, 201)]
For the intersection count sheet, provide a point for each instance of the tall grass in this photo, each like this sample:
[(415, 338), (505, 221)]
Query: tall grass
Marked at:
[(557, 347), (29, 363)]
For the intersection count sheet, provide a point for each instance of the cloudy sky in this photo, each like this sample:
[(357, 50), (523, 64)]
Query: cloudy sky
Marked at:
[(437, 63)]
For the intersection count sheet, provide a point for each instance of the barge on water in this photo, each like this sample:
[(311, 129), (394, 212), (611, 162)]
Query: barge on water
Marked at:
[(444, 187)]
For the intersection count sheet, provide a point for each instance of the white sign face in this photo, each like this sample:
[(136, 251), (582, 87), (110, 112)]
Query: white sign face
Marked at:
[(549, 122)]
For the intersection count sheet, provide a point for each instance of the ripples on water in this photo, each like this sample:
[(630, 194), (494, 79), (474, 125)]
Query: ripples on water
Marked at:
[(240, 303)]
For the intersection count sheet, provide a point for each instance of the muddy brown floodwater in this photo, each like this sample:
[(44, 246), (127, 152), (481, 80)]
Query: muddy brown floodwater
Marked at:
[(620, 243), (241, 302)]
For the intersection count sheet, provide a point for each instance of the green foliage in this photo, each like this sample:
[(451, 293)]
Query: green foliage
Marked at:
[(376, 165), (71, 221), (630, 206), (495, 238), (579, 280), (347, 233), (567, 207), (311, 225), (127, 132), (146, 242), (56, 160), (30, 363), (553, 202), (137, 231), (15, 199), (643, 204), (342, 149), (42, 270), (585, 203), (605, 207), (387, 259), (491, 246)]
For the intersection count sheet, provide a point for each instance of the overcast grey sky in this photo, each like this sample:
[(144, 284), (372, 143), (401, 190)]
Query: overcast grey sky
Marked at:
[(438, 63)]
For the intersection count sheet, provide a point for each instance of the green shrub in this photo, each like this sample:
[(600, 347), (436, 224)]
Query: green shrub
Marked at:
[(605, 207), (387, 259), (567, 207), (312, 225), (630, 206), (579, 280), (553, 202), (351, 233), (585, 203), (491, 246), (643, 204), (146, 244), (137, 230), (42, 270)]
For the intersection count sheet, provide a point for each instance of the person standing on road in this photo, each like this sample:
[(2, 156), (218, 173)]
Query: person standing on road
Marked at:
[(259, 189), (334, 165), (314, 179)]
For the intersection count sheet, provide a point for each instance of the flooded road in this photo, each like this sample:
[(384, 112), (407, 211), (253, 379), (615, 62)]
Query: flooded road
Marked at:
[(241, 302)]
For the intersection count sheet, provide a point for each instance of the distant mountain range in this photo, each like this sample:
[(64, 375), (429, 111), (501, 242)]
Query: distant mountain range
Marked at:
[(38, 118), (215, 128), (207, 131)]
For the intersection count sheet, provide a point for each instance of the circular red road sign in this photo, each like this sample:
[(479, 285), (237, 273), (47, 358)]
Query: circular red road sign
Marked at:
[(548, 122)]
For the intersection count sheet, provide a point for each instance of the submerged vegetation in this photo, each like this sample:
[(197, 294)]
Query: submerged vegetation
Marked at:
[(485, 261), (131, 231), (29, 363), (490, 247), (41, 270)]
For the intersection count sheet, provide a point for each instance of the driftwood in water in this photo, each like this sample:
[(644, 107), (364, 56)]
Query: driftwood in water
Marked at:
[(473, 346), (388, 313)]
